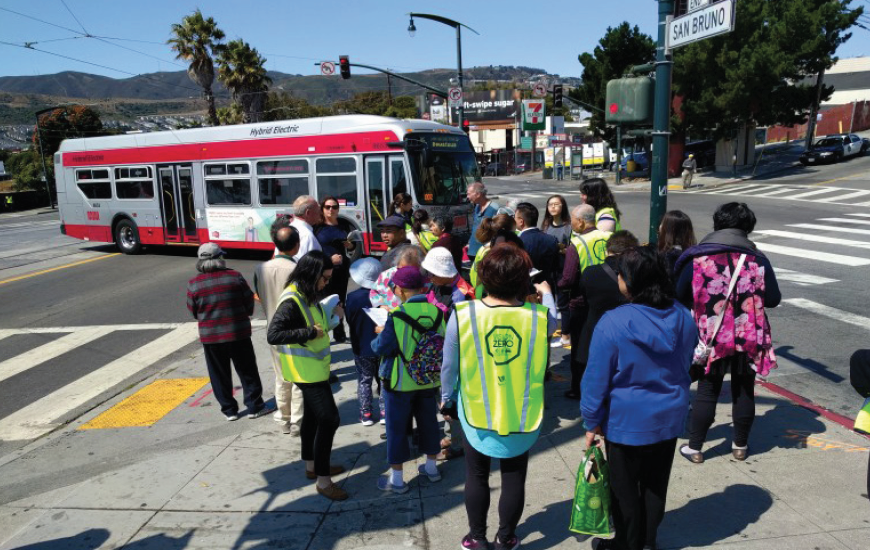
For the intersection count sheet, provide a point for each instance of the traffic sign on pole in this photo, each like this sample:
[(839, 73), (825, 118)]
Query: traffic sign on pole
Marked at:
[(455, 96), (327, 68), (706, 21), (539, 90)]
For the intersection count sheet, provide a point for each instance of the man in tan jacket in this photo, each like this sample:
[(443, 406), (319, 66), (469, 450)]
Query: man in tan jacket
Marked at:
[(270, 279)]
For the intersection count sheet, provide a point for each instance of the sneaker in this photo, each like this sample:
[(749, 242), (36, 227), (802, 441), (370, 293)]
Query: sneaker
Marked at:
[(556, 342), (421, 469), (333, 492), (385, 485), (294, 430), (383, 420), (469, 543), (366, 419), (510, 544), (232, 417), (262, 412), (286, 428)]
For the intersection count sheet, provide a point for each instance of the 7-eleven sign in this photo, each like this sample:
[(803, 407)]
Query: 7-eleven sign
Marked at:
[(533, 114)]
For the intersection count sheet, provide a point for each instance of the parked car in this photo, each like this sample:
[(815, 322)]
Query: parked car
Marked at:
[(495, 169), (833, 149)]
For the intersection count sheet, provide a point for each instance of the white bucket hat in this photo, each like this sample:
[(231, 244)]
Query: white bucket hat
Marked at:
[(365, 272), (439, 262)]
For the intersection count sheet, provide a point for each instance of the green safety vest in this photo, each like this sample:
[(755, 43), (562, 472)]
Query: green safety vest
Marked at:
[(308, 362), (862, 422), (472, 273), (427, 315), (612, 212), (503, 355), (427, 239), (591, 247)]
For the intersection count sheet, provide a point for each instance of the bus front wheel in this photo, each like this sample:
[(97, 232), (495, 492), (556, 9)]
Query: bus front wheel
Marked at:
[(127, 237)]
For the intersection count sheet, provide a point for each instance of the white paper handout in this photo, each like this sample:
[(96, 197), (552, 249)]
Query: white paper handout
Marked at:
[(378, 315)]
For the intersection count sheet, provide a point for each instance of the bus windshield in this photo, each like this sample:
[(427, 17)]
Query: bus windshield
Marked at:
[(443, 168)]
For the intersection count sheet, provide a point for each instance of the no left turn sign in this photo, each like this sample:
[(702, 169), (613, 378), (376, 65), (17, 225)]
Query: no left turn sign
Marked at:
[(327, 68), (455, 96)]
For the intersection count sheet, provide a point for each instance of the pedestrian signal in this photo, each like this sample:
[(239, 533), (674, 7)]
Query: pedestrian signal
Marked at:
[(630, 101)]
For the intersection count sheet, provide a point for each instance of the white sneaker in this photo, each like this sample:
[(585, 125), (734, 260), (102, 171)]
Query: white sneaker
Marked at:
[(383, 421)]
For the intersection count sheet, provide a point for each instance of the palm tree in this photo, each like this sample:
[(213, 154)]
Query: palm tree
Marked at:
[(242, 71), (196, 39)]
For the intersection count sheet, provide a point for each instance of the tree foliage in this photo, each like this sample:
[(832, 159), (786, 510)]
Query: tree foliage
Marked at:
[(761, 73), (378, 103), (26, 169), (196, 40), (621, 48), (242, 70), (64, 123)]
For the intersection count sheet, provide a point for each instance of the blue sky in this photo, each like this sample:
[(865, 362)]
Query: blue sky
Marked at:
[(292, 34)]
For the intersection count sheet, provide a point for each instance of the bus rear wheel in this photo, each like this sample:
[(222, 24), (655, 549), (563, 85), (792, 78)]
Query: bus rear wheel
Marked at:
[(127, 237)]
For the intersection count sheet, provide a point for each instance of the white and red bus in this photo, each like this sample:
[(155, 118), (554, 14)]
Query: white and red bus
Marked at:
[(227, 184)]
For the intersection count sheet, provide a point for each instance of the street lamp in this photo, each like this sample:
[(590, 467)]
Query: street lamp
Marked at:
[(456, 25)]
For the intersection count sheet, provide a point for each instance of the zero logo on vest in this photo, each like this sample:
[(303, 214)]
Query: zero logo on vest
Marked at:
[(503, 344)]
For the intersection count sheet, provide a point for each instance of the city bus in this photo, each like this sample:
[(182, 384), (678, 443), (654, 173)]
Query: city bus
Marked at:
[(227, 184)]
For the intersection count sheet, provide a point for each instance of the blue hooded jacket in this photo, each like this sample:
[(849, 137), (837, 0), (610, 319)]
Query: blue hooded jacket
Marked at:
[(636, 384)]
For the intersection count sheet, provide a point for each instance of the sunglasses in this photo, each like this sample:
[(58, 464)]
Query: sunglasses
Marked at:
[(330, 207)]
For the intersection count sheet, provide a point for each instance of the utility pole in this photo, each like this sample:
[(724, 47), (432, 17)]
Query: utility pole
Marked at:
[(42, 157), (390, 89), (658, 200)]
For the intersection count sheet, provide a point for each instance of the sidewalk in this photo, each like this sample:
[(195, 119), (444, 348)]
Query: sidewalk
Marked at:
[(773, 159), (242, 485)]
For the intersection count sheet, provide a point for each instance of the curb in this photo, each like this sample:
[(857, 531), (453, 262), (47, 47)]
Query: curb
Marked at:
[(805, 403)]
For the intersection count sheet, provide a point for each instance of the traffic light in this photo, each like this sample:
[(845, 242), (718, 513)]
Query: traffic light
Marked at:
[(630, 101), (466, 127), (344, 64), (557, 96)]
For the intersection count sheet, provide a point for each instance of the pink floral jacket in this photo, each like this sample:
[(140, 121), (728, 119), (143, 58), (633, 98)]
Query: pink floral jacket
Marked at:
[(745, 327)]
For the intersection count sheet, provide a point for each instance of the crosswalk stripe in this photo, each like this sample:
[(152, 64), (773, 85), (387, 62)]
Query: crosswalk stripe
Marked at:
[(845, 197), (839, 259), (525, 196), (830, 228), (43, 415), (816, 192), (861, 215), (740, 188), (830, 312), (46, 352), (844, 220), (813, 238), (802, 279), (860, 204), (774, 192)]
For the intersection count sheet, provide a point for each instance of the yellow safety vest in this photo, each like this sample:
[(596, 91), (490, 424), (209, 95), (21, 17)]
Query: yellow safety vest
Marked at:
[(472, 274), (591, 247), (308, 362), (612, 212), (427, 315), (862, 422), (426, 239), (503, 355)]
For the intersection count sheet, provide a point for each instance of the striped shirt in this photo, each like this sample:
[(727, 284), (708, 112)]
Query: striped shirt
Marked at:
[(223, 303)]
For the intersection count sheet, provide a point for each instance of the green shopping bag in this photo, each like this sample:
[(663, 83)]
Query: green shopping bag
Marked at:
[(590, 513)]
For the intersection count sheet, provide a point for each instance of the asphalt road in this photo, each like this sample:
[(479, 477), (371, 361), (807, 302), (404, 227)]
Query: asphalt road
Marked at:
[(50, 308)]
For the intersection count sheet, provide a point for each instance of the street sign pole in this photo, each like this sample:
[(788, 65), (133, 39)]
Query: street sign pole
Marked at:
[(658, 199)]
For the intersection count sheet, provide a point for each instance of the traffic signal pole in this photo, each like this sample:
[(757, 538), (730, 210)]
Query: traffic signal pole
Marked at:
[(658, 200)]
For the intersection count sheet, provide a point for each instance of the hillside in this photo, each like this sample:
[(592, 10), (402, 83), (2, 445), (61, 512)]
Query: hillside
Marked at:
[(174, 92)]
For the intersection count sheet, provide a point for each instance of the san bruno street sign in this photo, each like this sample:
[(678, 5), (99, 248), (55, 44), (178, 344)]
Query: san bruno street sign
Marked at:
[(706, 21)]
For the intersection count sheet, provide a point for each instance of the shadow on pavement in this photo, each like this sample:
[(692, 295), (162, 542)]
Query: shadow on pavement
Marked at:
[(809, 364), (86, 540), (705, 521)]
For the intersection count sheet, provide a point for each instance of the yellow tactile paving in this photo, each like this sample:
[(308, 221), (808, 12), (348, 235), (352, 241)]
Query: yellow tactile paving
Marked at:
[(148, 405)]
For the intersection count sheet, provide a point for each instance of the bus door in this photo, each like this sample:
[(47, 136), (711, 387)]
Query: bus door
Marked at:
[(376, 202), (177, 204)]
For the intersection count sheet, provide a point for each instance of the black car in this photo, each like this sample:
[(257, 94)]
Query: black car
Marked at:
[(833, 149), (495, 169)]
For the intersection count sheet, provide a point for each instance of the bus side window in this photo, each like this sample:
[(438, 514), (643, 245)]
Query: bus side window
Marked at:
[(336, 177)]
